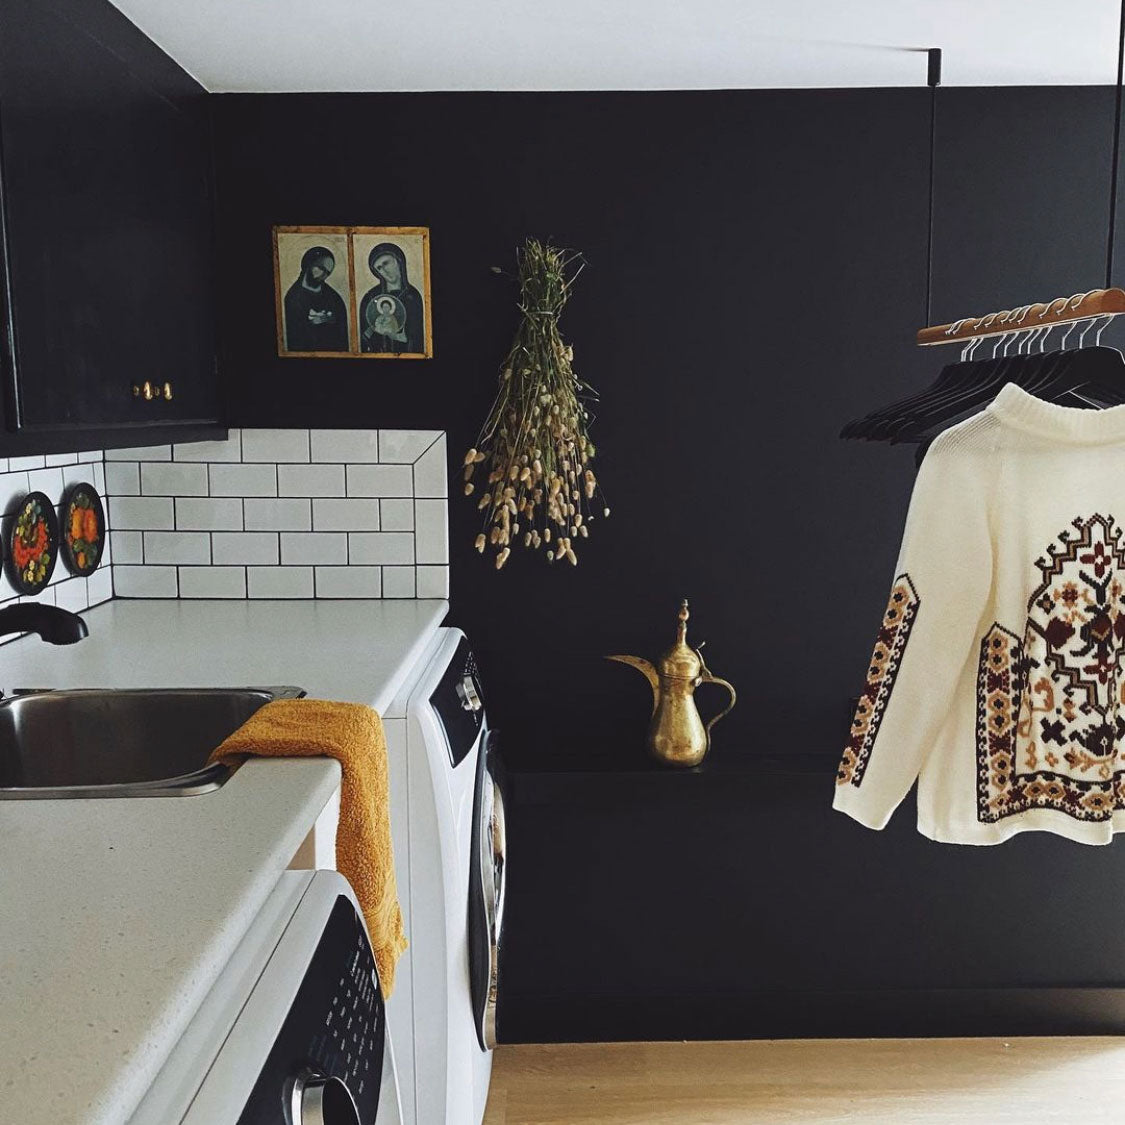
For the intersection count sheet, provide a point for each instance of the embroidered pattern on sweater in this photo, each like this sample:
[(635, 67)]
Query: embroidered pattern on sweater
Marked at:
[(898, 620), (1051, 708)]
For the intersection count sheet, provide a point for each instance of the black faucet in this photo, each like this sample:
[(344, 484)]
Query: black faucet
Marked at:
[(56, 626)]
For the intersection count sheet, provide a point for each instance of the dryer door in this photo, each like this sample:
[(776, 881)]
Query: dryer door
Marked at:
[(487, 877)]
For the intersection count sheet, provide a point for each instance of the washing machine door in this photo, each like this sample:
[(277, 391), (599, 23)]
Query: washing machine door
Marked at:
[(487, 877)]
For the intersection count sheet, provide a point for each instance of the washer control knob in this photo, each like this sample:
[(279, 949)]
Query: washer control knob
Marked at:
[(319, 1100), (468, 694)]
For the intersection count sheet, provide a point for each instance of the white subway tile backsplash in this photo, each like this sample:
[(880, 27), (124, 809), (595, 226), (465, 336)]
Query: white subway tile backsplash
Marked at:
[(310, 480), (243, 480), (122, 478), (144, 581), (345, 446), (380, 480), (60, 459), (228, 450), (396, 515), (381, 548), (212, 582), (271, 513), (405, 446), (22, 464), (349, 582), (128, 546), (275, 445), (398, 582), (431, 532), (177, 547), (47, 481), (304, 547), (216, 513), (13, 488), (168, 479), (140, 453), (99, 585), (91, 455), (431, 474), (278, 515), (432, 582), (242, 548), (70, 594), (141, 513), (280, 581), (331, 514)]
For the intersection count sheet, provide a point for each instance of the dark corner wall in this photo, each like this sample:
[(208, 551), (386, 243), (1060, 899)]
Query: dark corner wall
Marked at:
[(756, 274)]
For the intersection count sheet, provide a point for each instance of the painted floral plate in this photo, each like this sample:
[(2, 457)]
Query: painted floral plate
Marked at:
[(31, 539), (83, 528)]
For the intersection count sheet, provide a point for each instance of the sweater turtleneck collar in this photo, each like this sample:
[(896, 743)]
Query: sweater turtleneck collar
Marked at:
[(1014, 406)]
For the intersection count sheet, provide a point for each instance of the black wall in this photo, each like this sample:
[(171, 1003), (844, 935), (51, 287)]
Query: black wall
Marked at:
[(756, 272)]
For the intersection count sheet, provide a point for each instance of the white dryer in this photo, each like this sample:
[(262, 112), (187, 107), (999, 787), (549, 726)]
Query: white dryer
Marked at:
[(293, 1030), (448, 824)]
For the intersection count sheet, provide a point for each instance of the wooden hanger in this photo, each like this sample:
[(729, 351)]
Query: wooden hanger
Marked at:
[(1061, 310)]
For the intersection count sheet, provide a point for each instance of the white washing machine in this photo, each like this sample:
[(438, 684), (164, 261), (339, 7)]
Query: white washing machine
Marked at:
[(293, 1031), (447, 817)]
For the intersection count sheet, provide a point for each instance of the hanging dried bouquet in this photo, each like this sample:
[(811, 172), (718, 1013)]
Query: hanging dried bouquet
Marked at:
[(534, 450)]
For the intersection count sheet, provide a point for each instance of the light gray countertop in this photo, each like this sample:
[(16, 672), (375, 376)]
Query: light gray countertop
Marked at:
[(117, 915)]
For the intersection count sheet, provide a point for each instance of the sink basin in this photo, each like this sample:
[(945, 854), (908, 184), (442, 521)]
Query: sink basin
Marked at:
[(145, 742)]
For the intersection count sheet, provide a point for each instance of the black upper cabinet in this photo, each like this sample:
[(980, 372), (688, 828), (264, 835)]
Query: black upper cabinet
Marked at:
[(106, 192)]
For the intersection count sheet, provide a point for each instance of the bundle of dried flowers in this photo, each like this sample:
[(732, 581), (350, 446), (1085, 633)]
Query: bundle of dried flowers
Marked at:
[(535, 446)]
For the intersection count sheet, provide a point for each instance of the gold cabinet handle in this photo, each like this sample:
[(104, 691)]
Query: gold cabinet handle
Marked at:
[(151, 392)]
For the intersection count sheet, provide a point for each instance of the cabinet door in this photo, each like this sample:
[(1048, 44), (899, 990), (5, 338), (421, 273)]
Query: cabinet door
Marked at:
[(107, 206)]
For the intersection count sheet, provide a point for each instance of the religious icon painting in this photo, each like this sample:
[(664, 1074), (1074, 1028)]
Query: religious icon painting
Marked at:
[(392, 286), (312, 291), (354, 292)]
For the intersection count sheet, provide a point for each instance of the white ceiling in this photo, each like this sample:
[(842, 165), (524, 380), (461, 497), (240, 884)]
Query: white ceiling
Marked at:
[(310, 45)]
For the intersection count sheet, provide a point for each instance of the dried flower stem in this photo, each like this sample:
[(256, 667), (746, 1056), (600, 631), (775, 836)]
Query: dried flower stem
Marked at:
[(535, 444)]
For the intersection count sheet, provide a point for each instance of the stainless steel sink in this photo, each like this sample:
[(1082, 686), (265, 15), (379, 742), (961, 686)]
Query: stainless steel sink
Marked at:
[(144, 742)]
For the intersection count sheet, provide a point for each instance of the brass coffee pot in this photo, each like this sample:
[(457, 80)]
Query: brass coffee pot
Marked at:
[(676, 734)]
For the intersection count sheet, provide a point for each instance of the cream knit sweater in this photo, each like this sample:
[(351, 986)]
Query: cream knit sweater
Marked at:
[(998, 676)]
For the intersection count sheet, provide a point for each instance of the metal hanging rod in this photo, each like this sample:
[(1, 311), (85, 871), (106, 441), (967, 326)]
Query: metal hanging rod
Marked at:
[(1108, 302), (1043, 314)]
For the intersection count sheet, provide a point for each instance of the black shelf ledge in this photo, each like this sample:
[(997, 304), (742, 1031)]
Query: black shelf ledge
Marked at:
[(596, 779)]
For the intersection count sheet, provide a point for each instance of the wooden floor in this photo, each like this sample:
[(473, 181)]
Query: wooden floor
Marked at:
[(813, 1082)]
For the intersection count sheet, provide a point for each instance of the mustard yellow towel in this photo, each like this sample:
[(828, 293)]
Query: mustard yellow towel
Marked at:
[(353, 735)]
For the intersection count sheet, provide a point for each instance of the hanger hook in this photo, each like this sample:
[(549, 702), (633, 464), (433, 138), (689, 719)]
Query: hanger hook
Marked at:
[(1098, 332), (1082, 335), (1047, 330)]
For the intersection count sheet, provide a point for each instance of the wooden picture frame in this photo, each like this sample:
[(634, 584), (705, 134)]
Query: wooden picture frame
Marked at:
[(387, 307)]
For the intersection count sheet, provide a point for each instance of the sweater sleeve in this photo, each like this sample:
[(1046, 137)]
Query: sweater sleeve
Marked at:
[(929, 630)]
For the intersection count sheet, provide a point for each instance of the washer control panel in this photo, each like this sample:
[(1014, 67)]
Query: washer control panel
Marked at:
[(458, 700), (335, 1027)]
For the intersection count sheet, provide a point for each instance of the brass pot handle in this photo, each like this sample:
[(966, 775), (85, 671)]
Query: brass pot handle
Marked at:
[(705, 677)]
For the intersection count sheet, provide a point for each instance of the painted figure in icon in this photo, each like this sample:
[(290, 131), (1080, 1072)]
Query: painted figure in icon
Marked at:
[(391, 314), (316, 318)]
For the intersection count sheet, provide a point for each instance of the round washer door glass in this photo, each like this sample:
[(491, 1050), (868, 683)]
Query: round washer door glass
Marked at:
[(486, 895)]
